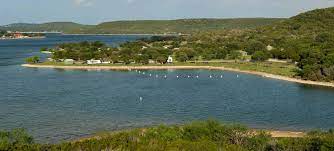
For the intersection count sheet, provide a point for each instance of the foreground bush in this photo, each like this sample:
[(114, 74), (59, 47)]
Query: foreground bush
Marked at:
[(209, 135)]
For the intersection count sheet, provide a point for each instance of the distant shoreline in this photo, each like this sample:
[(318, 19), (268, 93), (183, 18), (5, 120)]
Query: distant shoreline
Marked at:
[(122, 34), (1, 38), (263, 74)]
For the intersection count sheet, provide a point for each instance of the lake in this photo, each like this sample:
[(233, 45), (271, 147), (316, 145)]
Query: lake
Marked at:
[(55, 105)]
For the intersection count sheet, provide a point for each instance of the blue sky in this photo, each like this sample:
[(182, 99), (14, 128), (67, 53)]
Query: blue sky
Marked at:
[(96, 11)]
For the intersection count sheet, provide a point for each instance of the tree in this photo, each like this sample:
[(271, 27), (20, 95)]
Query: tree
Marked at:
[(255, 46), (142, 59), (235, 55), (162, 59), (32, 60), (2, 32), (181, 56), (221, 54), (323, 37), (44, 49), (260, 56), (329, 60), (189, 52)]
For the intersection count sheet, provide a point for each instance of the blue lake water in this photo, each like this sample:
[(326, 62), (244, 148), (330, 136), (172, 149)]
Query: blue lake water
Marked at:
[(56, 105)]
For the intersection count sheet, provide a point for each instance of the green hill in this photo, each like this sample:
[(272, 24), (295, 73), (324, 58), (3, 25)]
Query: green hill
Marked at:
[(306, 39), (305, 24), (52, 26), (146, 26), (181, 26)]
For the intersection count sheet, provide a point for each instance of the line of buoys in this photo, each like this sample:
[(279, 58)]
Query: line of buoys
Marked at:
[(185, 76), (180, 76)]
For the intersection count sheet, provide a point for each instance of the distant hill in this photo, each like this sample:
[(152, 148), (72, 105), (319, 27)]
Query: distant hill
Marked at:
[(305, 24), (146, 26), (52, 26)]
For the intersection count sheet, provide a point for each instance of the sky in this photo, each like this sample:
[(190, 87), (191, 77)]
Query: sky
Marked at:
[(97, 11)]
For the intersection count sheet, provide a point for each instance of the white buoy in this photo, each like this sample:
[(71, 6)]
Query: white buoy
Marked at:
[(177, 76), (165, 76), (221, 76), (188, 76), (156, 76), (144, 73), (141, 99), (237, 76), (197, 76), (210, 76), (150, 75)]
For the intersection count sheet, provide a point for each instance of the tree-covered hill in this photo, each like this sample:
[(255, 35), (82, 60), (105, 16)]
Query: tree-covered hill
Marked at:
[(146, 26), (52, 26), (307, 39), (309, 23), (181, 26)]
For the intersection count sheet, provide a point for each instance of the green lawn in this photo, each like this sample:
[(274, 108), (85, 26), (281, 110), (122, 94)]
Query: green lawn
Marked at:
[(283, 69)]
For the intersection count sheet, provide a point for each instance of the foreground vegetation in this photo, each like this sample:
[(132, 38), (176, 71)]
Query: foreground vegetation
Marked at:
[(210, 135)]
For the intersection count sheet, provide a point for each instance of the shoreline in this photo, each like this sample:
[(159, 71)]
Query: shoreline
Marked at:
[(273, 133), (263, 74), (122, 34), (22, 38)]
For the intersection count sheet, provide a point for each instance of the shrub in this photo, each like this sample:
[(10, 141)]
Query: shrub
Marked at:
[(32, 60)]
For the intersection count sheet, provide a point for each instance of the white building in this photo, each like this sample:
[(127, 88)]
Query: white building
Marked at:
[(92, 61), (150, 61), (170, 59), (106, 62), (167, 46), (69, 61), (269, 48)]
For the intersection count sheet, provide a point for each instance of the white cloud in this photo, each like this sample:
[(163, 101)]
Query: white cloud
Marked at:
[(130, 1), (85, 3)]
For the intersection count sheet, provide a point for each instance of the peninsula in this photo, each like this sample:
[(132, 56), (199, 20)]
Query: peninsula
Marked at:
[(296, 49)]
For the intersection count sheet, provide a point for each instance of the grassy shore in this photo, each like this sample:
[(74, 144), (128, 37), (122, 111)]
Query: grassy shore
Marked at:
[(283, 69)]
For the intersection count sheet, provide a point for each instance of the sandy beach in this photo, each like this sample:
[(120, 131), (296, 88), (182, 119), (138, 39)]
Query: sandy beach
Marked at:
[(274, 134), (280, 134), (266, 75)]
